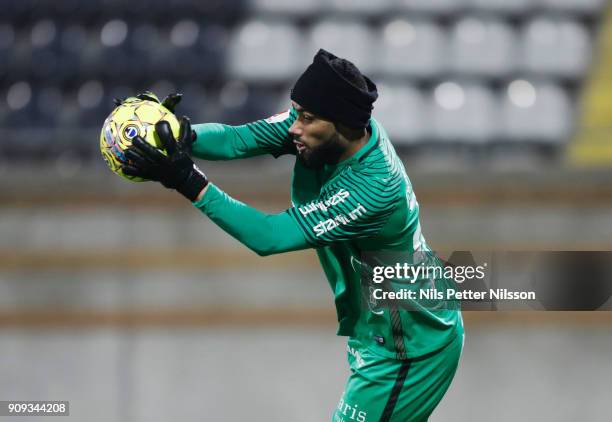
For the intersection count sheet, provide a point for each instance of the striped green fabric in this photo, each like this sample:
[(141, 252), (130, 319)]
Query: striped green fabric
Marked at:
[(346, 211), (355, 204), (272, 134), (361, 206)]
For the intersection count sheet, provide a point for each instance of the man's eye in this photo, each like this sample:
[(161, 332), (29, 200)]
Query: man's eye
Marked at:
[(308, 118)]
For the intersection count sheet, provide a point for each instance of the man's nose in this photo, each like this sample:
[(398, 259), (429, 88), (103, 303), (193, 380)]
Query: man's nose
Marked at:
[(295, 130)]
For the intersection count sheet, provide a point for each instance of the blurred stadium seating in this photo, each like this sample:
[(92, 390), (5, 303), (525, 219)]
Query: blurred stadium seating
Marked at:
[(475, 72)]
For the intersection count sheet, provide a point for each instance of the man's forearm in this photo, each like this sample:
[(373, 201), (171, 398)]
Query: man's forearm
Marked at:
[(265, 234), (217, 141)]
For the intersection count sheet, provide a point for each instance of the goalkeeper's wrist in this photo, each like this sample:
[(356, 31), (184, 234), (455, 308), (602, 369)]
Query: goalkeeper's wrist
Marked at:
[(202, 193), (193, 185)]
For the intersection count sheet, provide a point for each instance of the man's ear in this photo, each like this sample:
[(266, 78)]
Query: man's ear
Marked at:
[(349, 133)]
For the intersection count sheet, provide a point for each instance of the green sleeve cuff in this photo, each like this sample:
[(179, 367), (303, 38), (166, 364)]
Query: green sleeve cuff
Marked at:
[(209, 195)]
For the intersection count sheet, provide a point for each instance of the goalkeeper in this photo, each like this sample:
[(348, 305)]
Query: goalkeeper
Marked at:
[(350, 194)]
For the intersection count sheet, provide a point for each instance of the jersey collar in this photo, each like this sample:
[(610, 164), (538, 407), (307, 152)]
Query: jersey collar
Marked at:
[(364, 151)]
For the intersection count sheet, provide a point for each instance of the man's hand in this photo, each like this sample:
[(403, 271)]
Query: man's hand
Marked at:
[(170, 102), (174, 171)]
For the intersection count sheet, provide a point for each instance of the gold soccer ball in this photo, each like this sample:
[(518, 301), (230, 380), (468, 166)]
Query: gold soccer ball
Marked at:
[(133, 117)]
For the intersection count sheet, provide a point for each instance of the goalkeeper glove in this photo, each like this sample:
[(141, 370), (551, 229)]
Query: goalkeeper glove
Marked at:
[(174, 171)]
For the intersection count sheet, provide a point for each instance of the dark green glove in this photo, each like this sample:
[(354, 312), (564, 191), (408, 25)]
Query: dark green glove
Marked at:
[(170, 102), (174, 171)]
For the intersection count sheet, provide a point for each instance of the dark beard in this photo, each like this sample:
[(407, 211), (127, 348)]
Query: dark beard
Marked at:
[(326, 154)]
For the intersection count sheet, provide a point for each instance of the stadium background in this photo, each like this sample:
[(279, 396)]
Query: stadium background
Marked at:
[(124, 300)]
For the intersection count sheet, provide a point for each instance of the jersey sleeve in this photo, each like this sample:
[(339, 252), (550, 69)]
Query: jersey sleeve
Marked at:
[(272, 134), (265, 234), (357, 206), (217, 141)]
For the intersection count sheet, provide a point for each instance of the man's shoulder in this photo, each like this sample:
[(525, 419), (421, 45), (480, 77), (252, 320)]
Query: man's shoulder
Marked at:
[(381, 163), (272, 133), (283, 118), (381, 189)]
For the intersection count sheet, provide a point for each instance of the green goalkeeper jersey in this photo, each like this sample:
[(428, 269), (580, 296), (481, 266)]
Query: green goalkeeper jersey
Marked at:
[(348, 211)]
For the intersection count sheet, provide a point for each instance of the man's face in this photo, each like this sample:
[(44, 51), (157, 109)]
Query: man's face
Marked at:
[(316, 139)]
